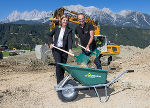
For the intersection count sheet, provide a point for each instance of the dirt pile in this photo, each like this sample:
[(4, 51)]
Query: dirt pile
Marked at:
[(133, 58), (22, 63)]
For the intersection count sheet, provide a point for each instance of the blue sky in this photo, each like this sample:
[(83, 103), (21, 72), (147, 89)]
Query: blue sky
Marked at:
[(8, 6)]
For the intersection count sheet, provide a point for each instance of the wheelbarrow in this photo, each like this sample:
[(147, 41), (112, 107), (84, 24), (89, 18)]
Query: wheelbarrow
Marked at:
[(68, 88)]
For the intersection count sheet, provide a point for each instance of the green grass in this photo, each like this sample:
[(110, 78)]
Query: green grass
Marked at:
[(5, 54)]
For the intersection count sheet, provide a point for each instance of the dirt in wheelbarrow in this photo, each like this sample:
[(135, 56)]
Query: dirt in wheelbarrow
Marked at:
[(26, 83)]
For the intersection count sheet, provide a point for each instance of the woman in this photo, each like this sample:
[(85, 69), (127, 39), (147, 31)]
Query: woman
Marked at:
[(62, 39)]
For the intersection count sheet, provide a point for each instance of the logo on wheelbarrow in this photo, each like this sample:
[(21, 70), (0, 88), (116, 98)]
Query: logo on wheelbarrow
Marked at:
[(92, 76)]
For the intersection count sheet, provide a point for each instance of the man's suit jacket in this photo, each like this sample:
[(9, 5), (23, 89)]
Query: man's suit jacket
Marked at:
[(67, 39)]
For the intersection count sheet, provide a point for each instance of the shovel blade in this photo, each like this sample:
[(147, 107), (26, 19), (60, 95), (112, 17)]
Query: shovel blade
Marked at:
[(95, 52), (82, 59)]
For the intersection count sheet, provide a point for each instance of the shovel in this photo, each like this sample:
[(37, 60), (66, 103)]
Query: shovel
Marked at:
[(95, 52), (79, 59)]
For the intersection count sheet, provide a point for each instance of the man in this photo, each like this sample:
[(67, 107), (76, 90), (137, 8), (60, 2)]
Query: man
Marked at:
[(85, 31)]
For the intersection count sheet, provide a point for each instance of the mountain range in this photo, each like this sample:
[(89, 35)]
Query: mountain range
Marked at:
[(106, 16)]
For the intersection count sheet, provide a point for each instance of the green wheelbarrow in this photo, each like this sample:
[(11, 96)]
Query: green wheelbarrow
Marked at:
[(67, 89)]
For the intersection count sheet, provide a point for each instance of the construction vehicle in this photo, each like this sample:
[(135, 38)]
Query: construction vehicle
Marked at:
[(106, 48)]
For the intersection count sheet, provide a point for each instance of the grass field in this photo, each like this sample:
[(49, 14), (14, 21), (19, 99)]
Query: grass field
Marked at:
[(5, 54)]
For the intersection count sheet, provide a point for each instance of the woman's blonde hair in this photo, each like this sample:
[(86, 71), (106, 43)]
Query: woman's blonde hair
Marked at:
[(63, 16)]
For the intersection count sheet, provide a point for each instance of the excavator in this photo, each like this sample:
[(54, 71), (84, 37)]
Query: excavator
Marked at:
[(106, 48)]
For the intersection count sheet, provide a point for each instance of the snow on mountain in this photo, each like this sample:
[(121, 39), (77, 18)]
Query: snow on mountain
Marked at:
[(81, 9), (124, 13), (105, 15), (33, 15), (107, 10)]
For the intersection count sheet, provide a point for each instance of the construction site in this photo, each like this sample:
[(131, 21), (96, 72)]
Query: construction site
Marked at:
[(28, 80)]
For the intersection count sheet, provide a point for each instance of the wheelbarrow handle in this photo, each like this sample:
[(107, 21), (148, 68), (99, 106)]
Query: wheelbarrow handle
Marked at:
[(119, 76), (64, 51), (83, 47)]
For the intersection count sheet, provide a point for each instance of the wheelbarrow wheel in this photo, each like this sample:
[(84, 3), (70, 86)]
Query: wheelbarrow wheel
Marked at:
[(68, 94)]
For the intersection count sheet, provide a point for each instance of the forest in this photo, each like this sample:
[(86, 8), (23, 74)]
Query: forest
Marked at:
[(26, 36)]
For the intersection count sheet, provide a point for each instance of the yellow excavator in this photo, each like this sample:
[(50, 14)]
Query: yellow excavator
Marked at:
[(103, 44)]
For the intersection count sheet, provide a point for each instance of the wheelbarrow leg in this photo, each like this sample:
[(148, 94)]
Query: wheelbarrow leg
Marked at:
[(106, 95), (61, 84)]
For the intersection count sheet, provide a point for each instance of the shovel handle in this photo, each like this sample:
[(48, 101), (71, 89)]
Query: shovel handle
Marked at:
[(64, 51), (83, 47)]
